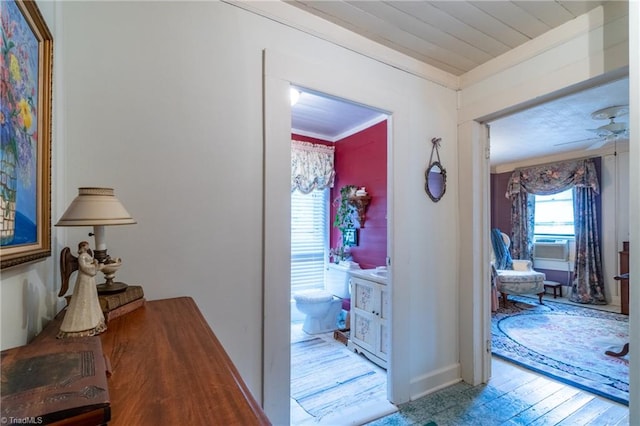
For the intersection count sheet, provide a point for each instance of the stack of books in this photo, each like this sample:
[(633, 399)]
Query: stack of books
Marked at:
[(117, 304)]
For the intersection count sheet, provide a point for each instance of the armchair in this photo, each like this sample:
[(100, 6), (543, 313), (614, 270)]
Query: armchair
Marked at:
[(522, 279), (522, 265)]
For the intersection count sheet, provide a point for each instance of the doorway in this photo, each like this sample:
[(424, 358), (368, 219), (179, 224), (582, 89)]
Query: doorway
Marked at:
[(280, 71), (359, 137), (564, 136)]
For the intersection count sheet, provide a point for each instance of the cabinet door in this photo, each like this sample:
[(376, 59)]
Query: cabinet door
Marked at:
[(364, 330), (364, 295), (364, 321), (382, 349)]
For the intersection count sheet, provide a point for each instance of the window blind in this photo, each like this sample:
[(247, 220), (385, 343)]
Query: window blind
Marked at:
[(309, 239)]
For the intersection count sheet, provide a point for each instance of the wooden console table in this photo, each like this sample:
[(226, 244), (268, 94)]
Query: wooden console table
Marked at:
[(167, 367)]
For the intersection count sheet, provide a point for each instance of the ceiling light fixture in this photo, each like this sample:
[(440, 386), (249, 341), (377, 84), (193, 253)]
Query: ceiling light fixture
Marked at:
[(294, 94), (607, 133), (612, 129)]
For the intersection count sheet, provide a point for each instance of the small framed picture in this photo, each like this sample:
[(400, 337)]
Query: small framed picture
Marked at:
[(350, 237)]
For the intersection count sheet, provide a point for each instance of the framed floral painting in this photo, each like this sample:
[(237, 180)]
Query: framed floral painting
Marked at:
[(25, 134)]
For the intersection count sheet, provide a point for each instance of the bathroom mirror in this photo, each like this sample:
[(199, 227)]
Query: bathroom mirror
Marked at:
[(435, 176), (436, 181)]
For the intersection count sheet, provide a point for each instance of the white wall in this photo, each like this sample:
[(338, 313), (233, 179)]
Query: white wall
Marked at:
[(614, 193), (163, 102)]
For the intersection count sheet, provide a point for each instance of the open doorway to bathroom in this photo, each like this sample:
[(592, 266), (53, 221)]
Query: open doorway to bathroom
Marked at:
[(335, 339)]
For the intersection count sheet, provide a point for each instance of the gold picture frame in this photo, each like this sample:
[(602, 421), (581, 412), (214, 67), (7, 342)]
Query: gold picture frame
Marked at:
[(25, 125)]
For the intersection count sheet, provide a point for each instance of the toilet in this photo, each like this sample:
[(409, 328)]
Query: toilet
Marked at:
[(322, 307)]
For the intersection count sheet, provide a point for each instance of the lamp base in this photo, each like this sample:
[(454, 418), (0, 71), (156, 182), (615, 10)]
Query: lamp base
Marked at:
[(111, 287), (109, 266)]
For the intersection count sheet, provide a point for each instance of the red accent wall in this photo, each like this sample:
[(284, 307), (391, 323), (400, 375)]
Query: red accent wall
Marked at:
[(361, 160)]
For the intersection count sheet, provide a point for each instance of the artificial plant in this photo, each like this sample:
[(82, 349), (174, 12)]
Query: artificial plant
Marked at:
[(345, 211)]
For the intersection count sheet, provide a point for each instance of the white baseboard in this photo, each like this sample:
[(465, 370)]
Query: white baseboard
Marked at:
[(435, 381)]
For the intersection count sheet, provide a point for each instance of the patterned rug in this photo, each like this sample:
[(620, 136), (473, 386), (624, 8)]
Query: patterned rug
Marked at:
[(325, 378), (565, 342)]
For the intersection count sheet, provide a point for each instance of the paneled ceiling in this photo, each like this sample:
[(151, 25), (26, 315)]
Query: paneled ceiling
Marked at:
[(331, 119), (457, 36)]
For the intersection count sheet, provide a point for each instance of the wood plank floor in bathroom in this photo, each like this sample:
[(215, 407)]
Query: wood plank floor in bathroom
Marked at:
[(331, 385)]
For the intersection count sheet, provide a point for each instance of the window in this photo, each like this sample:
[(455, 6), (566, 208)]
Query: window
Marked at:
[(554, 215), (309, 239)]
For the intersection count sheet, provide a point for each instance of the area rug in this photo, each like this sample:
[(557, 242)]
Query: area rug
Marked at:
[(565, 342), (326, 379)]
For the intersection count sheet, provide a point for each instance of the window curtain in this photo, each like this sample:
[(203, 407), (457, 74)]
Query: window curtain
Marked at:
[(523, 210), (588, 284), (311, 166)]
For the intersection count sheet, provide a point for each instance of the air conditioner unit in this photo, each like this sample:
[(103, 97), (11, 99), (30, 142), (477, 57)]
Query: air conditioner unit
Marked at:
[(558, 250)]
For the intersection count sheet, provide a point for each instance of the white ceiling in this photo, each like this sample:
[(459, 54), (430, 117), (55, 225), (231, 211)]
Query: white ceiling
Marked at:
[(556, 127), (457, 36), (323, 117)]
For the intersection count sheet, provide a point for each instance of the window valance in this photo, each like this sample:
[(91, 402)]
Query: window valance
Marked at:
[(587, 284), (311, 166), (553, 178)]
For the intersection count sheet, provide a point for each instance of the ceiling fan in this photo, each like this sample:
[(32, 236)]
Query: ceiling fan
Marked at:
[(609, 132)]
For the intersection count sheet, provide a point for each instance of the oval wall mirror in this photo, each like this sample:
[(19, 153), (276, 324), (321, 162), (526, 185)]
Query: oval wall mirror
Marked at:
[(436, 181), (435, 176)]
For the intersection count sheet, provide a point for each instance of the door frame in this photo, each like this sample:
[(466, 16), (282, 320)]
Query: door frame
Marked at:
[(280, 72)]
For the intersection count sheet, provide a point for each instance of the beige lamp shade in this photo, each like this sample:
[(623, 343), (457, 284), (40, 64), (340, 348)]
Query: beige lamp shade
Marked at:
[(95, 206)]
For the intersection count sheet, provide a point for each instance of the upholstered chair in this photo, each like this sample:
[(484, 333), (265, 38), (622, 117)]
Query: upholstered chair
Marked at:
[(522, 279)]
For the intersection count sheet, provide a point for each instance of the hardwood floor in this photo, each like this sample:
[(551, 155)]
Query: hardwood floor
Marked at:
[(513, 396), (352, 402), (565, 299)]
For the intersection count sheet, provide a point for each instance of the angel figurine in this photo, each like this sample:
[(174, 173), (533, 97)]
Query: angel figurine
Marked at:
[(84, 316)]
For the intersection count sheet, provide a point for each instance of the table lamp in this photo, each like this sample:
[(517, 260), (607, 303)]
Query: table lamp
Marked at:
[(99, 207)]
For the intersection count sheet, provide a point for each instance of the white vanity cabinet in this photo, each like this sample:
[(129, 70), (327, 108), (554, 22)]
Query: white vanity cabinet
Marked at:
[(369, 315)]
